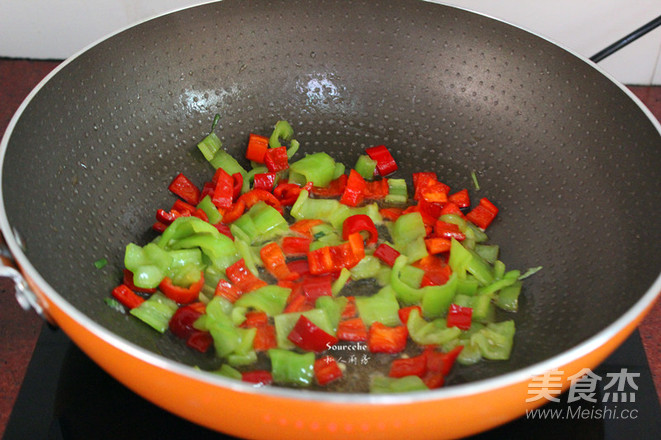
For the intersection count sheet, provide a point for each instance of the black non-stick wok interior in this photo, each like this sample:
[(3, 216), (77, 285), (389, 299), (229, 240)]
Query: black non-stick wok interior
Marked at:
[(573, 163)]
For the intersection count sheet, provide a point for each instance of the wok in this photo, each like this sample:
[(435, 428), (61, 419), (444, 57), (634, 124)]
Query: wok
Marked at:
[(570, 157)]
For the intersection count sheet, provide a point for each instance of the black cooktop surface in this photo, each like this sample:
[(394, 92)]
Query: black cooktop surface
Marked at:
[(65, 396)]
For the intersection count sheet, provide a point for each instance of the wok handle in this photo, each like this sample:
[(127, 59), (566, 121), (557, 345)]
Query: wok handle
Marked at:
[(619, 44), (25, 297)]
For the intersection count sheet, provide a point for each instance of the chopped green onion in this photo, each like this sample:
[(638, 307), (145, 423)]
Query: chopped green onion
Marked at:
[(529, 272), (100, 263), (476, 184), (216, 119), (114, 304)]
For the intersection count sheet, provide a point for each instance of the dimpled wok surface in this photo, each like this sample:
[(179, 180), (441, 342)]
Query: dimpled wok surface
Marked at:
[(569, 158)]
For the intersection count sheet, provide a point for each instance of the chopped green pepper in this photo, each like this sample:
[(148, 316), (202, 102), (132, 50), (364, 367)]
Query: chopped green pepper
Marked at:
[(209, 146), (307, 208), (495, 340), (397, 191), (508, 297), (318, 168), (430, 333), (282, 130), (289, 367), (269, 299), (365, 166), (381, 307), (149, 264), (382, 384), (156, 311), (228, 371), (209, 209)]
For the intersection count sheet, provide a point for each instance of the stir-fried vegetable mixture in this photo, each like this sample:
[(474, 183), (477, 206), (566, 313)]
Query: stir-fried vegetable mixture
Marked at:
[(261, 267)]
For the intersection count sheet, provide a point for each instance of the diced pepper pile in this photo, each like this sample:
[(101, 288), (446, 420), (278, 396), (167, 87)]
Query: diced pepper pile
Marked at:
[(261, 264)]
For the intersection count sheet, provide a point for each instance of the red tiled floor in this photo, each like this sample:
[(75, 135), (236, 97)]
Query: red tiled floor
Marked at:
[(19, 330)]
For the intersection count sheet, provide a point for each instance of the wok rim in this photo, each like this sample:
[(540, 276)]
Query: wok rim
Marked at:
[(478, 387)]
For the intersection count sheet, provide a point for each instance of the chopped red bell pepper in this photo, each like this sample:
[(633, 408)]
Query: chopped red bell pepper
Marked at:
[(384, 339), (242, 278), (459, 316), (224, 229), (258, 377), (303, 226), (427, 211), (167, 217), (433, 379), (448, 230), (437, 245), (451, 208), (391, 214), (413, 366), (128, 281), (275, 262), (308, 336), (238, 185), (127, 297), (387, 254), (442, 362), (404, 313), (254, 319), (179, 209), (159, 227), (333, 258), (437, 271), (483, 214), (460, 198), (184, 188), (385, 163), (334, 189), (296, 246), (183, 207), (181, 295), (301, 267), (199, 213), (257, 147), (264, 181), (350, 309), (236, 211), (200, 341), (376, 189), (315, 286), (207, 190), (352, 329), (265, 338), (223, 192), (181, 323), (354, 192), (297, 301), (354, 250), (360, 223), (287, 193), (435, 192), (276, 159), (255, 196), (326, 370), (420, 181), (435, 278)]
